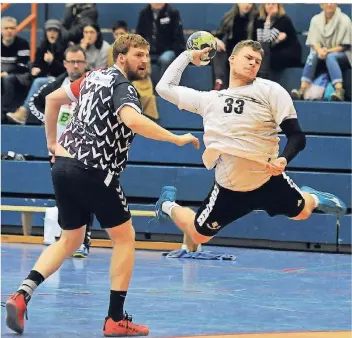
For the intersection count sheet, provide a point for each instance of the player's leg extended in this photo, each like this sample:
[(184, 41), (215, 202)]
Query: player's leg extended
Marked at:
[(183, 217), (300, 202), (322, 201), (49, 261)]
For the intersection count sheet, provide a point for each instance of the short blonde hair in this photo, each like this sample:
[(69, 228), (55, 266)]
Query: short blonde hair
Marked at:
[(255, 45), (125, 41), (280, 10)]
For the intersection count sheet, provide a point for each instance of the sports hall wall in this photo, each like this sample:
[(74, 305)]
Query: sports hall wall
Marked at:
[(325, 164)]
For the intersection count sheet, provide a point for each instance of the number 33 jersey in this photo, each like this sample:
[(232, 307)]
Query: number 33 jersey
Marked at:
[(242, 122)]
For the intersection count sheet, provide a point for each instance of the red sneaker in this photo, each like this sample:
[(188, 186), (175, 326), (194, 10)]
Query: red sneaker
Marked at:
[(16, 309), (124, 328)]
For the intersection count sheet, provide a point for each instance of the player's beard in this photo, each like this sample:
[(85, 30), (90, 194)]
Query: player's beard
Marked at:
[(131, 74)]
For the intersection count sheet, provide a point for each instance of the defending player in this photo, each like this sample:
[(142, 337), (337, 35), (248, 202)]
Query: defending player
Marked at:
[(89, 157)]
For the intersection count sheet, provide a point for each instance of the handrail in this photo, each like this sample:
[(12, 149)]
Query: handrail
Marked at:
[(29, 20)]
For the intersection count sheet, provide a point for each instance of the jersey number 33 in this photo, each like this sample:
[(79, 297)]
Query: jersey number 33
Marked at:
[(233, 106)]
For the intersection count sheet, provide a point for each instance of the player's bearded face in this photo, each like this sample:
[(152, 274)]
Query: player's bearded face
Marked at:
[(136, 64)]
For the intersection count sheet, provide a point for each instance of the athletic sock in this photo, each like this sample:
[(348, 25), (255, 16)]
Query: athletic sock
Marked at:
[(28, 286), (117, 300), (168, 206), (316, 200)]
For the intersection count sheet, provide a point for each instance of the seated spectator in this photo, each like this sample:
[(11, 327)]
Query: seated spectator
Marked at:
[(76, 17), (95, 47), (14, 62), (236, 25), (160, 24), (75, 64), (47, 66), (329, 37), (144, 87), (275, 28)]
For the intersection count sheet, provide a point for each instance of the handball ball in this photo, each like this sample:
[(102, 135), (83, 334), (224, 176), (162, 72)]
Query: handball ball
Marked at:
[(200, 40)]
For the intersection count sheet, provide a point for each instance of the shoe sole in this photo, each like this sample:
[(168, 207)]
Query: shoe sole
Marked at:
[(125, 335), (79, 256), (13, 119), (12, 320)]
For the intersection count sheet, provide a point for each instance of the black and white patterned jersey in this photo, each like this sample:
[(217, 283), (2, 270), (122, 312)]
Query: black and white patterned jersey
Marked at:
[(96, 134)]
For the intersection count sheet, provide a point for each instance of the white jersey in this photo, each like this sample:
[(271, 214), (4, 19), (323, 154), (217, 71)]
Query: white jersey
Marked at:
[(241, 125), (65, 114)]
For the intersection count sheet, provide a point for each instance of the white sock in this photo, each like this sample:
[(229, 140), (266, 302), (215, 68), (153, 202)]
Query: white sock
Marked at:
[(316, 200), (168, 206), (185, 247)]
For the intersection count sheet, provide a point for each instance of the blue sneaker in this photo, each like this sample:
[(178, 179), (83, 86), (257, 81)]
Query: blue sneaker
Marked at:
[(168, 193), (82, 252), (328, 203)]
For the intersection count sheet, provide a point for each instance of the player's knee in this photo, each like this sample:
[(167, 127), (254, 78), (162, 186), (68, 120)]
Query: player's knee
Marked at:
[(71, 242), (122, 233)]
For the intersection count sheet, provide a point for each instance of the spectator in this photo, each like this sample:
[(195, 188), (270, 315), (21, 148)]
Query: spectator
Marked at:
[(75, 64), (48, 64), (144, 87), (14, 62), (236, 25), (95, 47), (160, 24), (329, 37), (76, 17), (276, 29)]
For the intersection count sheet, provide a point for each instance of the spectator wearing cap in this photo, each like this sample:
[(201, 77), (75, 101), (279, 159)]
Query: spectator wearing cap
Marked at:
[(47, 66), (96, 48)]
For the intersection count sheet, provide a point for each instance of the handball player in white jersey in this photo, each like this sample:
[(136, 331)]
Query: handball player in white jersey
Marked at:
[(241, 126)]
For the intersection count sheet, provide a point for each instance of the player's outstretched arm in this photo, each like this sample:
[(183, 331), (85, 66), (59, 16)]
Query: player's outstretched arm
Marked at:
[(143, 126), (168, 87), (53, 102)]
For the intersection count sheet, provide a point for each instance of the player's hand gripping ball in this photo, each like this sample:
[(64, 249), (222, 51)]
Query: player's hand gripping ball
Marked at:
[(200, 40)]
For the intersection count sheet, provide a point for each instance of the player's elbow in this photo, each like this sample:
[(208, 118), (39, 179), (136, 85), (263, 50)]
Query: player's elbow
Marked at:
[(302, 141), (161, 89)]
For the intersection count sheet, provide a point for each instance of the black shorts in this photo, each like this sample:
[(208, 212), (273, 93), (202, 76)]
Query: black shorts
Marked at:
[(278, 196), (80, 191)]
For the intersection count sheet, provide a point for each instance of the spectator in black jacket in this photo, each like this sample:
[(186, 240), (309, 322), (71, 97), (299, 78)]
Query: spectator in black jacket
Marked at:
[(48, 64), (76, 17), (160, 24), (276, 29), (236, 25), (14, 62), (75, 63)]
